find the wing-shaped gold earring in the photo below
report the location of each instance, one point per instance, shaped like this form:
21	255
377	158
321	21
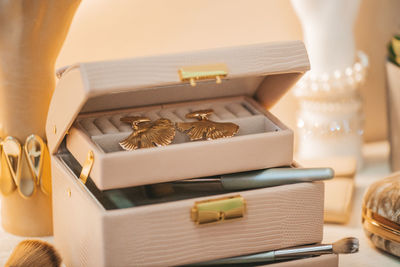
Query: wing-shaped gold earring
205	129
147	133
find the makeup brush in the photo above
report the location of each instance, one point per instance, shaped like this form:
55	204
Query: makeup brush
244	180
34	253
265	178
343	246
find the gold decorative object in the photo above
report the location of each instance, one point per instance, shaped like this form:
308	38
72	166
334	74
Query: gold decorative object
205	129
10	162
38	157
380	214
87	167
15	162
147	133
25	182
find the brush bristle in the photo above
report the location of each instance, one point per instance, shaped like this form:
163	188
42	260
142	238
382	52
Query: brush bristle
34	253
346	245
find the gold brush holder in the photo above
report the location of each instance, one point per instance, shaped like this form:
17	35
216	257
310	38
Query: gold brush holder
25	186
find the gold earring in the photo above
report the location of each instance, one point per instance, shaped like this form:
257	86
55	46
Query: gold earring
147	133
205	129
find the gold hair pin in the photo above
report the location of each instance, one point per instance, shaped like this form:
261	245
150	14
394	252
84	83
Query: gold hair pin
205	129
147	133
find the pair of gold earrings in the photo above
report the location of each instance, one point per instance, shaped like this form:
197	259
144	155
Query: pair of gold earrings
161	132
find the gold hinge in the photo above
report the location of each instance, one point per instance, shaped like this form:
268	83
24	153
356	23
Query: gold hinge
87	167
218	210
203	72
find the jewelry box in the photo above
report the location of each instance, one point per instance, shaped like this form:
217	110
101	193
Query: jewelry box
107	208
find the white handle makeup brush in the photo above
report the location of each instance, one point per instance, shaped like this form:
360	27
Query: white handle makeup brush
342	246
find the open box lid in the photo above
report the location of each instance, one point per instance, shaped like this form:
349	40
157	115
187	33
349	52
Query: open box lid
263	71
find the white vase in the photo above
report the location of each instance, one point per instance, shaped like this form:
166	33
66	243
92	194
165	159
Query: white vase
330	120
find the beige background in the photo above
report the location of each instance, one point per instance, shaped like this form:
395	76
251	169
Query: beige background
106	29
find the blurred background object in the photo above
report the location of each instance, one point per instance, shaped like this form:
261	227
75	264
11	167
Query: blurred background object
339	191
100	26
330	118
393	96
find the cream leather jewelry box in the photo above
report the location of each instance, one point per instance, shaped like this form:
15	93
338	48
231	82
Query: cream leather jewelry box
108	209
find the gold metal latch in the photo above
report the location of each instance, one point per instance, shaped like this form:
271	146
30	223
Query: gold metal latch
87	167
218	210
203	72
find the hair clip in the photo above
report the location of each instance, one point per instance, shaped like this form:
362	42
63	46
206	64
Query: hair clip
205	129
147	133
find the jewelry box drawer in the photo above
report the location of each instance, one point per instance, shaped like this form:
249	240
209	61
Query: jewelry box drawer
262	142
166	234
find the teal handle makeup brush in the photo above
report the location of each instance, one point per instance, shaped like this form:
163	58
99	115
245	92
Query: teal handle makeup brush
262	178
274	177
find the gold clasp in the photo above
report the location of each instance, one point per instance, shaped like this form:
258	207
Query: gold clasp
218	210
87	167
375	223
203	72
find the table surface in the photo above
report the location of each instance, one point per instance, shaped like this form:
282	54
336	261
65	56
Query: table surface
375	167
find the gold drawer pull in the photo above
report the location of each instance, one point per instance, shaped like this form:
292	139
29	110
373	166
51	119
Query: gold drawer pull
218	210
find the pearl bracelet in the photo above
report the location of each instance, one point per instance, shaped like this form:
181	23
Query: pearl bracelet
336	85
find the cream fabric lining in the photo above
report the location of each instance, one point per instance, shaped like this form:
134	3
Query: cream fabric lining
106	129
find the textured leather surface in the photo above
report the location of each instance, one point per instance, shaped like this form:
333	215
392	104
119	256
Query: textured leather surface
163	234
77	220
